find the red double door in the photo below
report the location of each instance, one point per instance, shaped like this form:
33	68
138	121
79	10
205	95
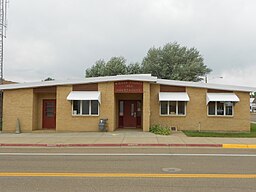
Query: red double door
49	114
130	113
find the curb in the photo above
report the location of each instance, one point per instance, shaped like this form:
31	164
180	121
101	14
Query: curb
239	146
108	145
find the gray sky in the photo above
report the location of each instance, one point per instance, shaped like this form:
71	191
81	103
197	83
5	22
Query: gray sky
61	38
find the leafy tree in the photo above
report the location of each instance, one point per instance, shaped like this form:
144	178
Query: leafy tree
253	94
134	68
175	62
49	79
115	66
97	70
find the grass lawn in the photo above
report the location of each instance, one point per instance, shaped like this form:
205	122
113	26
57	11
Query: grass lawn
223	134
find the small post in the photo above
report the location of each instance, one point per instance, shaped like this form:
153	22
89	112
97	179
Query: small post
17	126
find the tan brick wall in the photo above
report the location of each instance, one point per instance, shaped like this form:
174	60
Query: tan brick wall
27	106
108	104
196	113
64	119
66	122
146	107
18	104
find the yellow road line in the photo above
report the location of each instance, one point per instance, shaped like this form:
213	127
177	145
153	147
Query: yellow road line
251	146
130	175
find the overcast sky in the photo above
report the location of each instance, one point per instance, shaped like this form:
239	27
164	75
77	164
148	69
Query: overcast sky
61	38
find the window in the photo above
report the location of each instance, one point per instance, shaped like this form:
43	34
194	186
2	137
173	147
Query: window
85	107
164	107
172	108
211	108
220	108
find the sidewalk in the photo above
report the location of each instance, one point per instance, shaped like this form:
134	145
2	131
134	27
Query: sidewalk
119	139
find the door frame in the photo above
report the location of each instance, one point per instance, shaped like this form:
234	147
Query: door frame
120	123
43	114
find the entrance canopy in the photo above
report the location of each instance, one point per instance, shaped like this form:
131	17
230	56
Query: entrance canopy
173	96
84	95
228	97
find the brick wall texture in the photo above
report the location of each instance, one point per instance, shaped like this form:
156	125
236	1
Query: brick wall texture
25	105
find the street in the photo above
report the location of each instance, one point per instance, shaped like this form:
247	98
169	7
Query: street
180	169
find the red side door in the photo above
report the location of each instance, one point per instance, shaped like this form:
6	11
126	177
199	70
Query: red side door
49	113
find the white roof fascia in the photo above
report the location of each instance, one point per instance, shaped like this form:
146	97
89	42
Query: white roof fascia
84	95
140	77
173	96
206	85
229	97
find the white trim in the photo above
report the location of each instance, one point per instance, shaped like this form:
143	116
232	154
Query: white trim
173	96
232	97
84	95
136	77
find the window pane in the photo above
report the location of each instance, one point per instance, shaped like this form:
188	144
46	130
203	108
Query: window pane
220	108
229	108
172	107
85	107
181	108
121	108
76	107
211	108
164	109
94	107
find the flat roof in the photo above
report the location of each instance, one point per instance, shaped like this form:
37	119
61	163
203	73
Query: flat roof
133	77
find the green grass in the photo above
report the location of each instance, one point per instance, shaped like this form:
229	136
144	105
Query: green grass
251	134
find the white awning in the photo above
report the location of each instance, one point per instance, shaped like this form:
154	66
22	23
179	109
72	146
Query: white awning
229	97
84	95
173	96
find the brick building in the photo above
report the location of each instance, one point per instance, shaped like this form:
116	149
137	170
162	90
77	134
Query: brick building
127	101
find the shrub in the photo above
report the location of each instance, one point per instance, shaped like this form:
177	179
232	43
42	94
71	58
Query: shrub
160	130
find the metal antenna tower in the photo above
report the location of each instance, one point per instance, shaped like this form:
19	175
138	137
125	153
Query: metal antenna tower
3	25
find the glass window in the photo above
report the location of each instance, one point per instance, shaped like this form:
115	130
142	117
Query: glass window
229	108
85	107
181	108
94	107
164	107
172	107
76	107
220	108
211	108
223	108
121	108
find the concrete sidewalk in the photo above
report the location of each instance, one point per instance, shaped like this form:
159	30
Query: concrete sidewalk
119	139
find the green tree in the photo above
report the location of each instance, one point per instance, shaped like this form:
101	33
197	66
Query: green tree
134	68
97	70
115	66
174	61
49	79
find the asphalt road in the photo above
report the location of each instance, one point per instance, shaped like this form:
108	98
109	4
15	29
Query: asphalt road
117	169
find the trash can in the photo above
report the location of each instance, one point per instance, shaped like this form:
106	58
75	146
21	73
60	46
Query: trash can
103	125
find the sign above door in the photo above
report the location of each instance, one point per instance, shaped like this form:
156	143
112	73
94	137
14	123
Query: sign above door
128	87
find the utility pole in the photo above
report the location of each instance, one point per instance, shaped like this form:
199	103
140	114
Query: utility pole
3	25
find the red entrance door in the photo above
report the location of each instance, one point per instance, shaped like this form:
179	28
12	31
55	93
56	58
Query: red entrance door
130	114
49	114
